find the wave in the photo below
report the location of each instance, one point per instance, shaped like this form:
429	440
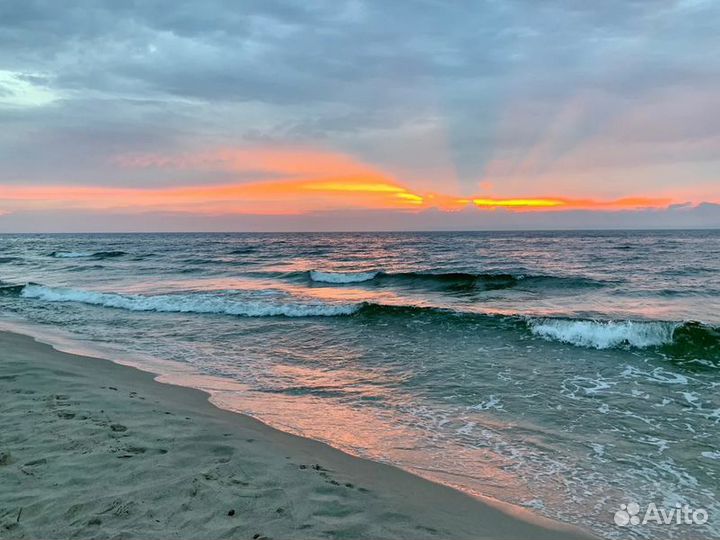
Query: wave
686	340
679	340
90	268
457	281
341	277
8	289
87	255
185	303
108	254
4	260
605	334
243	250
689	340
198	261
70	254
693	340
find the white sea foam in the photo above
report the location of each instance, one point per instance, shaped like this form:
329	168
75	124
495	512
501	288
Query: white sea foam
187	303
491	403
604	334
71	254
342	277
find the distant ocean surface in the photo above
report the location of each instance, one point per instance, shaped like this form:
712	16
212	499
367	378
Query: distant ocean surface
566	372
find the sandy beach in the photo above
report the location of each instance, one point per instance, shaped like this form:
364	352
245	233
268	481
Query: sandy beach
93	449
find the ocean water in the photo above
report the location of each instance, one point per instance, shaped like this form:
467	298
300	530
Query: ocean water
567	372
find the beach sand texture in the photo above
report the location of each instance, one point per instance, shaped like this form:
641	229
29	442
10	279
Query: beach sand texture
93	449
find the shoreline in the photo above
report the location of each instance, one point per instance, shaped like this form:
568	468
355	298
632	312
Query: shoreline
95	448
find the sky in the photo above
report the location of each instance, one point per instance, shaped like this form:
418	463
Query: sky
358	115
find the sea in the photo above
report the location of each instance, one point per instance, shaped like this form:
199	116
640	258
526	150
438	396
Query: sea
564	372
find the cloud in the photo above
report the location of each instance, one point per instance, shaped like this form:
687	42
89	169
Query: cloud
322	189
19	90
584	100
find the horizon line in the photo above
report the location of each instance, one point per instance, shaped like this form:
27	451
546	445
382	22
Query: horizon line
316	231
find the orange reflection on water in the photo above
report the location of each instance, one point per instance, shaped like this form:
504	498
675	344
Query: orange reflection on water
383	433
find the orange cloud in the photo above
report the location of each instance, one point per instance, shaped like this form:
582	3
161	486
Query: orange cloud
281	197
287	197
575	204
309	181
280	161
518	203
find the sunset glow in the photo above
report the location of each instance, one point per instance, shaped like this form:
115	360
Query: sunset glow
316	118
290	197
513	203
306	180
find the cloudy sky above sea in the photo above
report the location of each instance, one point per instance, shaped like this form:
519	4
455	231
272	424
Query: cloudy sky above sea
270	115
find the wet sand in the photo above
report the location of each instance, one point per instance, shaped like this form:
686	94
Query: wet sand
93	449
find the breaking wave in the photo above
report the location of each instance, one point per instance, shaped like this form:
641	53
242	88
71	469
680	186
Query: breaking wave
683	340
186	303
341	277
689	340
451	280
605	334
87	255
